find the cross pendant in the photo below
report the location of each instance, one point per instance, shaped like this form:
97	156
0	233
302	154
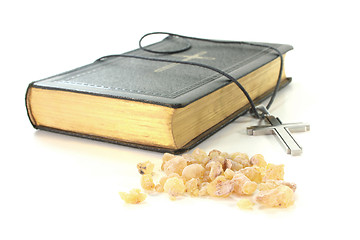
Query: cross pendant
281	131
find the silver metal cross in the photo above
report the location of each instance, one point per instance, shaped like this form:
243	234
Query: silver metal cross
281	131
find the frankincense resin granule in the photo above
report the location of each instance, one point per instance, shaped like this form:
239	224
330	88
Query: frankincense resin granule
218	174
133	197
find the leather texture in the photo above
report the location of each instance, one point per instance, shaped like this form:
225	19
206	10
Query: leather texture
162	83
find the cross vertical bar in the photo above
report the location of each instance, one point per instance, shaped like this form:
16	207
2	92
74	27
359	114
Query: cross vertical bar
287	141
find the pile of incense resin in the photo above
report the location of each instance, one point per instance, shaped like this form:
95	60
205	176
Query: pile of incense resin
217	174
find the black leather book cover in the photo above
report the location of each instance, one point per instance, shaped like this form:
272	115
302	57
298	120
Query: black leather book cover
162	83
168	84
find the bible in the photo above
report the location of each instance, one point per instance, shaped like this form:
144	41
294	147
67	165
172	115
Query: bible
156	105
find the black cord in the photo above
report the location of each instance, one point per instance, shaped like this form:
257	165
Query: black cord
188	46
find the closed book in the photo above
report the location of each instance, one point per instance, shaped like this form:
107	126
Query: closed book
161	106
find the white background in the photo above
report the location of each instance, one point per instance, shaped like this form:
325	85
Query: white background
60	187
